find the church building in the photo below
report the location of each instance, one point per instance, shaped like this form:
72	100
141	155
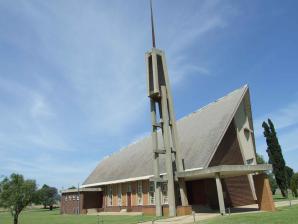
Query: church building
218	147
204	160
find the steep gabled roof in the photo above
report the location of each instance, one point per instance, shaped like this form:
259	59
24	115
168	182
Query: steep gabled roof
199	134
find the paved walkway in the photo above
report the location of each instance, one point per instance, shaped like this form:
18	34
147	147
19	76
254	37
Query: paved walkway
115	213
203	216
185	219
286	203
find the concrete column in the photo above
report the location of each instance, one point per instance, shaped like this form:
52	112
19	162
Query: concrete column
221	202
174	133
169	160
183	192
155	161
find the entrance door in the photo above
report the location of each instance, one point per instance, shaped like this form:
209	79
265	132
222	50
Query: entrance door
196	192
128	201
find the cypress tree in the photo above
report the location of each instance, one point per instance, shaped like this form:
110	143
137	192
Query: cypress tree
289	173
275	157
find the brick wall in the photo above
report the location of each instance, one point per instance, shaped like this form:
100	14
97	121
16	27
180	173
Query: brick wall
93	200
238	191
87	200
264	194
69	203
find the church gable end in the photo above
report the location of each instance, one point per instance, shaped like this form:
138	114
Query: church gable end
238	190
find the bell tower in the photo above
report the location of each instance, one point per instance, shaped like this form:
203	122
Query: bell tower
159	92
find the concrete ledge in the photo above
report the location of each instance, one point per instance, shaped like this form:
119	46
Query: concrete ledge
224	171
81	190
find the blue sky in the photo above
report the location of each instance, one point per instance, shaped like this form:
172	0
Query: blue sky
72	75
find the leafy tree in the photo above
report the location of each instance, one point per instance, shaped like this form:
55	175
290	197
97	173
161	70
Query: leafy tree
272	182
47	196
294	185
276	157
16	193
260	159
289	173
72	187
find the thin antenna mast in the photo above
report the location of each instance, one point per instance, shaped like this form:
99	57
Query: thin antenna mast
152	26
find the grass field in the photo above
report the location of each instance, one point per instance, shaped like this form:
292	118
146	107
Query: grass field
41	216
284	215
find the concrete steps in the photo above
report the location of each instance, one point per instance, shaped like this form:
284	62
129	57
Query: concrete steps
91	211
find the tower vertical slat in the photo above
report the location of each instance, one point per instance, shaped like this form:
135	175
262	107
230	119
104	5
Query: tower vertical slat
155	159
167	145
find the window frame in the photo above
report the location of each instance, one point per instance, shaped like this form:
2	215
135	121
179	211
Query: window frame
164	192
151	193
110	195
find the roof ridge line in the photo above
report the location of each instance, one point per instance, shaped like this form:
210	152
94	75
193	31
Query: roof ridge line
213	102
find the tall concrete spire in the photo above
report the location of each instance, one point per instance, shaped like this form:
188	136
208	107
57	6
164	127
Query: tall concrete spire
159	92
152	26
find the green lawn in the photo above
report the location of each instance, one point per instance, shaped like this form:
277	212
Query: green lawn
41	216
284	215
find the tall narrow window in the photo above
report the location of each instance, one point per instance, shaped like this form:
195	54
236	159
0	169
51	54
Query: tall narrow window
129	187
110	195
119	195
139	193
151	193
164	190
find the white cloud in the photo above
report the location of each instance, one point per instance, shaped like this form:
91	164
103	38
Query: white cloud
282	118
210	18
285	121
